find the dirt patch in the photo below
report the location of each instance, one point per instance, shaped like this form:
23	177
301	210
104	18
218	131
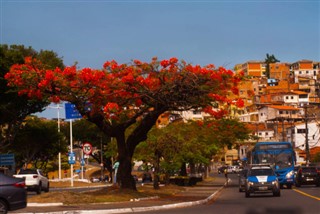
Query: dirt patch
103	195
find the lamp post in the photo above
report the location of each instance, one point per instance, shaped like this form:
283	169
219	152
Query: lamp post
59	155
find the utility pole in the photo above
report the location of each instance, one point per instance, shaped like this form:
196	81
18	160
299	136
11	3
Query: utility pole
307	140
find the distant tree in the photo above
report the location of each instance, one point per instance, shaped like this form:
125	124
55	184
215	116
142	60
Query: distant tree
37	142
268	60
171	147
14	108
121	95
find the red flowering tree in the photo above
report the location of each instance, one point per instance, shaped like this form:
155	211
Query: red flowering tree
120	95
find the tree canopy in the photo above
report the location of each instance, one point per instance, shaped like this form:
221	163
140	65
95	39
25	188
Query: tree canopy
14	108
120	95
270	59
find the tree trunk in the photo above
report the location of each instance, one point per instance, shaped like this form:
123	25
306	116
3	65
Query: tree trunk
124	177
183	169
156	178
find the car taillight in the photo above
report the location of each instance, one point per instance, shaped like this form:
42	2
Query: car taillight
35	176
20	184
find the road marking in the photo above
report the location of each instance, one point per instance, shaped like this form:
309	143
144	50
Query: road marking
303	193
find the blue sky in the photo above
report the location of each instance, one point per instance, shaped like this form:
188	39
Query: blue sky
223	33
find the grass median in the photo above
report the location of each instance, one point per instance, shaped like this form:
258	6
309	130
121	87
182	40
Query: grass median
102	195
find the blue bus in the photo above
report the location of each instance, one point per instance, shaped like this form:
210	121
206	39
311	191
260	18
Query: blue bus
280	155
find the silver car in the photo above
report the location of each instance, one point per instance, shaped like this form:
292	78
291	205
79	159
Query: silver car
13	194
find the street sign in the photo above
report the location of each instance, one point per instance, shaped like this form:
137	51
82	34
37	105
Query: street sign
71	111
7	160
87	148
72	158
82	162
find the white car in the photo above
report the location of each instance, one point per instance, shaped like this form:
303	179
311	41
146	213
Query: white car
35	180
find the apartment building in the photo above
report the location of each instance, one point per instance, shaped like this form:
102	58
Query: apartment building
279	71
304	69
297	135
278	113
252	68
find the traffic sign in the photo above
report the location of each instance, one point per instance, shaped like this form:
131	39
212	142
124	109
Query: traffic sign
7	160
72	158
71	111
82	162
87	148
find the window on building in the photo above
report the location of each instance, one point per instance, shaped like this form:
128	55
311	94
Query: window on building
291	97
307	72
287	97
301	131
280	112
197	112
267	133
300	72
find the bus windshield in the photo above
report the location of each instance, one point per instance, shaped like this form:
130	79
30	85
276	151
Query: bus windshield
280	160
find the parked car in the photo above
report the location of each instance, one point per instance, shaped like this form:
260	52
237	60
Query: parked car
262	179
235	169
35	180
307	175
13	194
146	177
242	179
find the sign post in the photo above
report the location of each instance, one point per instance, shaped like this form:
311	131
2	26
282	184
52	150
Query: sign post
71	113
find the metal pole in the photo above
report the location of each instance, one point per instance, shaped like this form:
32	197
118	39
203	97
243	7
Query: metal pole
307	140
71	150
59	156
82	164
101	156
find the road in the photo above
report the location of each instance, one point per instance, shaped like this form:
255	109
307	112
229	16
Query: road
304	200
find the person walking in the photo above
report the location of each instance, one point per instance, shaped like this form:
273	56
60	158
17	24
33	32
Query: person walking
226	175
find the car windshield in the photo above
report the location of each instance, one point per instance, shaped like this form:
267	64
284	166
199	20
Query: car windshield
309	169
260	172
27	171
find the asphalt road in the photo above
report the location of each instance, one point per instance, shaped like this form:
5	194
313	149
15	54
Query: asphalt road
304	200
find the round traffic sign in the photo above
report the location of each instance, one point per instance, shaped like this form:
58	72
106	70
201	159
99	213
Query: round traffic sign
87	148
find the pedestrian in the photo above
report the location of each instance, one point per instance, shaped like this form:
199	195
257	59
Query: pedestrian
226	175
115	168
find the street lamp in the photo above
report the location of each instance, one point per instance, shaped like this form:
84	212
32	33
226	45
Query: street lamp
59	155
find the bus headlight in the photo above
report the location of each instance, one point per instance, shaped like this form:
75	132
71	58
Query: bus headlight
289	174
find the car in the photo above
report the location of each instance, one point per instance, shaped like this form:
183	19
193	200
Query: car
295	170
35	180
221	169
261	179
307	175
146	177
13	195
242	179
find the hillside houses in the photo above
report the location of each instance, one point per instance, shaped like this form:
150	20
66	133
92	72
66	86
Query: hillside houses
275	108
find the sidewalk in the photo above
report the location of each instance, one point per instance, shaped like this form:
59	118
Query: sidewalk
203	192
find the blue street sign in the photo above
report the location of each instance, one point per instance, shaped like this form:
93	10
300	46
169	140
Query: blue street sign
71	111
7	160
82	162
72	158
